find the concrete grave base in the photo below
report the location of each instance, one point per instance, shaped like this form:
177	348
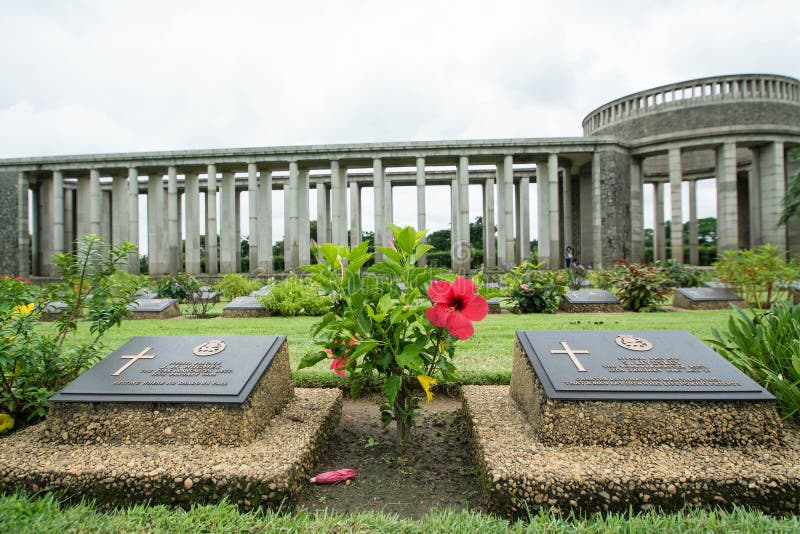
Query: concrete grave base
269	471
167	313
521	474
681	301
573	307
243	313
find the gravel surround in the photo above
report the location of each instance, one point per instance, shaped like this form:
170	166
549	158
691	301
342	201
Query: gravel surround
174	423
520	473
270	471
613	423
573	307
243	313
681	301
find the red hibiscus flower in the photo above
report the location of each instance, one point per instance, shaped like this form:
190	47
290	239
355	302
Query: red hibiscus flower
455	306
338	364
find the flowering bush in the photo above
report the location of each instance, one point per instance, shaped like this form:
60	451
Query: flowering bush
639	287
36	362
380	326
536	290
180	287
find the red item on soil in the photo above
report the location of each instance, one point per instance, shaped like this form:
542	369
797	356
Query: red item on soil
332	477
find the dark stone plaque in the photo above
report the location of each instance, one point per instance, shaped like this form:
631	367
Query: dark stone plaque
176	369
244	303
150	305
700	294
261	291
590	296
633	365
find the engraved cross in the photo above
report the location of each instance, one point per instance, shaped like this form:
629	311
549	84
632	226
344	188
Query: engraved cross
133	358
571	353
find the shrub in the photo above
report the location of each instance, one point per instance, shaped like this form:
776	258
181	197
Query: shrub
36	362
639	287
536	290
236	285
602	279
760	275
180	286
296	296
576	276
681	275
765	345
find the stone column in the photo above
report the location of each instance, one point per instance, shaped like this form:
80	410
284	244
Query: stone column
566	207
545	253
133	218
40	236
95	200
69	220
303	238
83	201
191	214
754	197
586	253
338	204
105	216
727	220
57	213
388	208
156	263
489	254
288	193
380	220
119	209
505	211
212	266
637	211
227	223
455	230
463	252
355	214
694	251
659	233
237	229
421	203
773	189
23	235
524	240
265	259
173	224
793	225
322	213
676	202
252	223
612	200
553	211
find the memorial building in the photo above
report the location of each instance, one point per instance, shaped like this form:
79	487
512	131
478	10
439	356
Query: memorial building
736	130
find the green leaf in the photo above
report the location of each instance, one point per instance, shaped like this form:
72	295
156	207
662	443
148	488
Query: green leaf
312	358
390	388
391	254
410	359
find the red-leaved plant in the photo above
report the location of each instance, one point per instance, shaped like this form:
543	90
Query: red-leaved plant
382	328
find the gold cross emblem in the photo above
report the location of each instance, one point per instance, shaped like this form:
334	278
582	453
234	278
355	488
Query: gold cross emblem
133	358
571	353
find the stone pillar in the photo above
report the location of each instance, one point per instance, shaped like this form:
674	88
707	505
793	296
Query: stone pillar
566	208
553	210
355	214
69	220
173	224
455	231
265	259
421	223
40	237
545	253
586	253
612	201
133	218
105	215
463	252
191	214
119	209
793	225
380	220
637	211
287	225
676	203
303	238
227	224
322	213
694	251
754	198
212	265
252	223
773	189
659	234
505	211
338	204
95	201
237	229
524	240
83	201
388	208
489	253
57	213
727	221
156	262
23	234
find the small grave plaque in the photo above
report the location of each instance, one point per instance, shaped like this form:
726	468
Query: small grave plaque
640	365
244	303
192	369
150	305
704	298
261	291
590	296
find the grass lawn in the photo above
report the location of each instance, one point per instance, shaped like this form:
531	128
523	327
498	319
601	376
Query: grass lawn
486	358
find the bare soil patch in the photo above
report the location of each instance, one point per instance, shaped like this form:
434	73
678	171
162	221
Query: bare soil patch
435	471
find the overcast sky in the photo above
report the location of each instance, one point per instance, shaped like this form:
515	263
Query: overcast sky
106	76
